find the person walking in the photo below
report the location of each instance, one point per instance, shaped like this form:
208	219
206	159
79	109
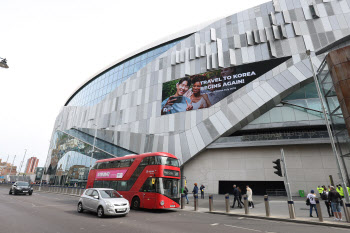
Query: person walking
250	197
202	191
195	189
335	199
186	192
240	196
324	197
235	197
312	197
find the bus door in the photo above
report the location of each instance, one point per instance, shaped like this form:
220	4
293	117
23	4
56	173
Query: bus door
148	193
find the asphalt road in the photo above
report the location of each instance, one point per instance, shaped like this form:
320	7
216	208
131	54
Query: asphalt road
54	213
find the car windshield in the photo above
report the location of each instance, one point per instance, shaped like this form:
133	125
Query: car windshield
109	194
22	184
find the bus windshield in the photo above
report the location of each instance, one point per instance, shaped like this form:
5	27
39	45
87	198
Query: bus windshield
170	188
166	186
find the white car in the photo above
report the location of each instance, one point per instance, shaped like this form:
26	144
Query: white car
104	201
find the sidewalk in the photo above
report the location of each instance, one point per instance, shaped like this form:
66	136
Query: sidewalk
278	210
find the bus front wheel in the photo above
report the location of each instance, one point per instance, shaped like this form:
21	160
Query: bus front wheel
135	203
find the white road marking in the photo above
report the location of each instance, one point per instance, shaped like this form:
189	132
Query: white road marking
52	205
341	229
243	228
214	224
241	218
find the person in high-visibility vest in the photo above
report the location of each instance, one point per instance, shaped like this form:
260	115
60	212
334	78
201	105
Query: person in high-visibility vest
320	190
340	190
348	190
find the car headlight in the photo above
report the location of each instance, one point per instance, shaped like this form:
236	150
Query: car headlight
161	203
109	204
17	188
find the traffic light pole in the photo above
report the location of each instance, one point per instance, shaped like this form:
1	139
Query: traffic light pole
286	181
287	185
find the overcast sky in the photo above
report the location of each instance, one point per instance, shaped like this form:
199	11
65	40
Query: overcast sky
54	46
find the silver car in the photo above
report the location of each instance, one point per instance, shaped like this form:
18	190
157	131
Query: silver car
104	201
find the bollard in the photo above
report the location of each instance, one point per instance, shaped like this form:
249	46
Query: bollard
210	203
182	200
291	209
227	202
196	202
346	210
319	211
246	206
267	205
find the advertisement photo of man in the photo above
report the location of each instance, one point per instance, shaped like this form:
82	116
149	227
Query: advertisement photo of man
178	102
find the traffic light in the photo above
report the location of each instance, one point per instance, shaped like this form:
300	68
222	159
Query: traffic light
278	167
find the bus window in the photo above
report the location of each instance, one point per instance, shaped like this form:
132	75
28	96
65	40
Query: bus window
150	185
110	164
162	160
144	162
122	186
125	163
101	165
115	164
95	166
114	185
106	184
151	161
98	184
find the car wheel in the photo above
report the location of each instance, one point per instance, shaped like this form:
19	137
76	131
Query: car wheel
135	203
80	207
100	212
10	192
14	192
30	193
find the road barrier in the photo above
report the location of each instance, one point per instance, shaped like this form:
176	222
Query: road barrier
195	202
267	205
227	202
210	203
246	206
291	209
318	208
346	210
182	200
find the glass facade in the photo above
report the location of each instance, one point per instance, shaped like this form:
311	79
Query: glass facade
335	115
99	87
71	157
302	105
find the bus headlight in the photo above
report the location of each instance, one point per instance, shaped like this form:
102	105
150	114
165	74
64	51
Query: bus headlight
161	203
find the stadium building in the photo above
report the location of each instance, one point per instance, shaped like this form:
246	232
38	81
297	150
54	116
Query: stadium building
224	97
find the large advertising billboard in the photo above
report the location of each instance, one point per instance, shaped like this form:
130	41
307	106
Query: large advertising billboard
206	89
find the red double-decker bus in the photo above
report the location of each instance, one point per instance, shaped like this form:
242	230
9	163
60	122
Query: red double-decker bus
148	180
